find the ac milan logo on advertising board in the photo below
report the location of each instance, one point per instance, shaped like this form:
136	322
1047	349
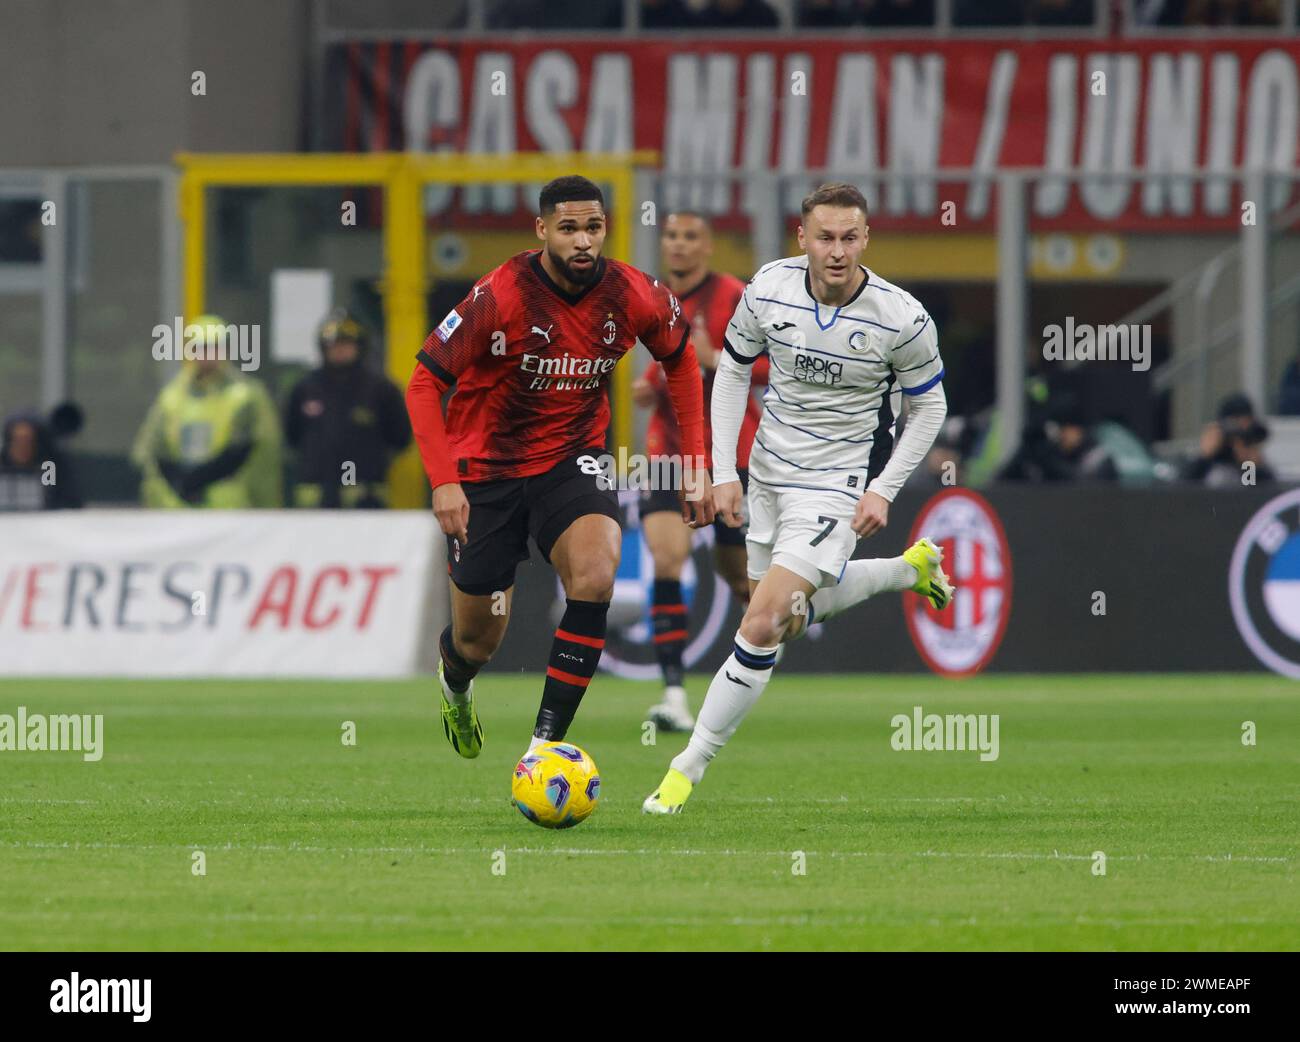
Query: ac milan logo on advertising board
963	638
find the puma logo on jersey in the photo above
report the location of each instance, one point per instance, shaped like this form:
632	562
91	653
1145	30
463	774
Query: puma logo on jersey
544	332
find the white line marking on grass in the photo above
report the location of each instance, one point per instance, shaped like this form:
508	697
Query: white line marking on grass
303	848
820	921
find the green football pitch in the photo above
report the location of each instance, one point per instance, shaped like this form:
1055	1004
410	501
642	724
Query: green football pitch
810	832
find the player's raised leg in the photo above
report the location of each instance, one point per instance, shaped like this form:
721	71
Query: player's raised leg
669	542
919	569
478	624
797	542
585	557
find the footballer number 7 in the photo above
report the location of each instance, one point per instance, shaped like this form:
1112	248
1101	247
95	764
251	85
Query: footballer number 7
830	523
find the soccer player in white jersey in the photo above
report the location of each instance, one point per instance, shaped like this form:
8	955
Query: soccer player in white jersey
845	347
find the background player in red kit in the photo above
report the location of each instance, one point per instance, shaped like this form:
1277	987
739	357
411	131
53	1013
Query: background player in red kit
708	300
528	351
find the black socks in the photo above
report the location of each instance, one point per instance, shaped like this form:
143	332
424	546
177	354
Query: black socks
579	640
457	671
668	613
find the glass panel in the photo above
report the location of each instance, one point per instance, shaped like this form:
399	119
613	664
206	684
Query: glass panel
21	236
1283	368
255	233
20	352
114	268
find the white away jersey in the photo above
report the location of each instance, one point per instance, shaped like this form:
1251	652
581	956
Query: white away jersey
838	375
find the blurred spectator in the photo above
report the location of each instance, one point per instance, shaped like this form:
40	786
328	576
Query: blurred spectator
989	12
1178	13
666	14
886	13
1024	12
549	14
344	414
1061	12
876	13
737	14
211	438
34	474
824	14
1236	438
1061	449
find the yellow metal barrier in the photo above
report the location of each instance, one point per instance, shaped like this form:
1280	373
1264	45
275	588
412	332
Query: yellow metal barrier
402	176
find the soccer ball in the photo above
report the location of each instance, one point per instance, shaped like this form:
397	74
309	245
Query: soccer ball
556	786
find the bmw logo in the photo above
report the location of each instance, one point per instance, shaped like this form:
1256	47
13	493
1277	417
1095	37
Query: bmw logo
1264	584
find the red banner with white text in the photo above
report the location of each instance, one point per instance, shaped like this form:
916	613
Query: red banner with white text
850	107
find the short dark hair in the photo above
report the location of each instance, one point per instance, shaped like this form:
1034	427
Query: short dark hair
571	188
687	212
836	193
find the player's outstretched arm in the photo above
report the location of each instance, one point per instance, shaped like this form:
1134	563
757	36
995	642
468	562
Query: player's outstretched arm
916	363
925	416
730	397
424	404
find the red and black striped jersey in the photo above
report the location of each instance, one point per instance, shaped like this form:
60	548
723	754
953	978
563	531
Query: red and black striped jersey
530	362
708	307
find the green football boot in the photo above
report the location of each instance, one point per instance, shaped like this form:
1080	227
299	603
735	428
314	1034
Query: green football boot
460	721
931	582
671	795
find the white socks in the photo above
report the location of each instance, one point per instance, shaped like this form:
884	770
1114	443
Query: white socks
742	678
676	698
862	579
735	688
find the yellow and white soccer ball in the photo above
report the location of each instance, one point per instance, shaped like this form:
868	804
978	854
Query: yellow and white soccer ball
556	785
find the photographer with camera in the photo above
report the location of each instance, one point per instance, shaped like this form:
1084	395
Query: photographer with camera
1235	439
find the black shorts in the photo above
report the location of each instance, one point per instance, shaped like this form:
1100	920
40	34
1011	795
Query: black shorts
665	500
505	512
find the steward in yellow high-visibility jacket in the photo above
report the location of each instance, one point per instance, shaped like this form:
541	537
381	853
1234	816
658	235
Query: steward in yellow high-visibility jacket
211	439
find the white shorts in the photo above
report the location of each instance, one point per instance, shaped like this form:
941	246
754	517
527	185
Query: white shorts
807	531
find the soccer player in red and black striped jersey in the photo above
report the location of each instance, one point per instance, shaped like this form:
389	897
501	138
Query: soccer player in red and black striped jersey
528	352
708	300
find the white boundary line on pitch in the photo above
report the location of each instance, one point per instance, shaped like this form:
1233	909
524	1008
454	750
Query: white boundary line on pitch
821	921
295	848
